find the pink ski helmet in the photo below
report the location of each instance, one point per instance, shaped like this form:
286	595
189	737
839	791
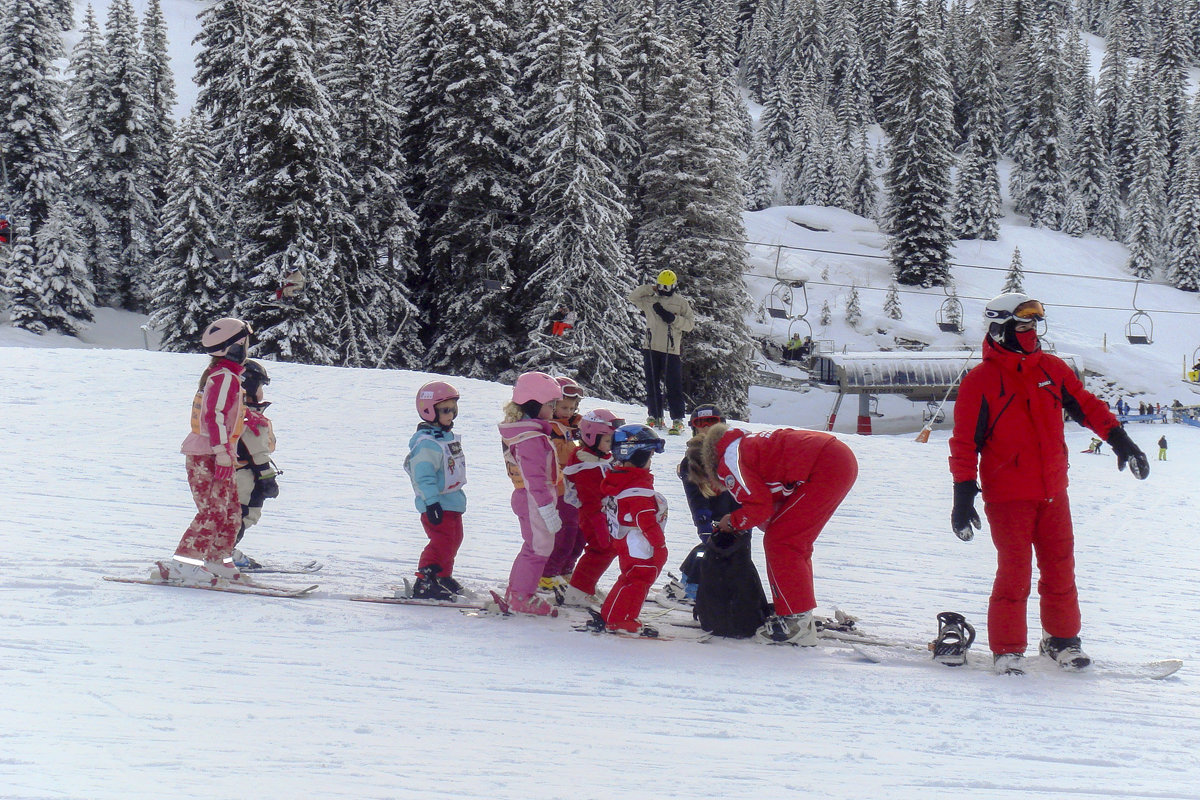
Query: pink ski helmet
569	387
224	335
430	395
537	386
596	423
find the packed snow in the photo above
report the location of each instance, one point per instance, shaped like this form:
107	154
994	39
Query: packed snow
118	691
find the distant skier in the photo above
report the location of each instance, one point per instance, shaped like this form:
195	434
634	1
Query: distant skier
1162	448
255	475
437	469
636	517
789	483
1008	432
533	469
669	315
205	553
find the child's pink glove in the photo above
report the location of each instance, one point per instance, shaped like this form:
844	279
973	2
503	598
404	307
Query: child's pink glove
224	469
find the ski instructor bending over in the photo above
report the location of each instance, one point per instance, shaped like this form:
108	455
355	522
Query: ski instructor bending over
1008	429
668	317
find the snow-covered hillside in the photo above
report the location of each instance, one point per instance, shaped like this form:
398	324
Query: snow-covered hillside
114	691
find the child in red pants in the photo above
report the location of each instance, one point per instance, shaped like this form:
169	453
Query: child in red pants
584	472
438	471
789	483
636	513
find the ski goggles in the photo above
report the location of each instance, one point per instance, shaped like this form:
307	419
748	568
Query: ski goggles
1029	311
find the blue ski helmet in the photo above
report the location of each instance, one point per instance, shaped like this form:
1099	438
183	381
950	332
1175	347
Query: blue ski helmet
634	438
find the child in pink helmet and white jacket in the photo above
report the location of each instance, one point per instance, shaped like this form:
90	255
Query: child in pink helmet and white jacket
533	468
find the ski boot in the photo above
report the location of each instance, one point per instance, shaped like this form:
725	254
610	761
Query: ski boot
676	427
793	629
529	604
243	561
679	590
429	586
1009	663
954	639
1065	651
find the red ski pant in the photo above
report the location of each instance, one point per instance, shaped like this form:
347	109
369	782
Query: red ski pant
798	519
214	529
592	564
444	541
624	602
1043	527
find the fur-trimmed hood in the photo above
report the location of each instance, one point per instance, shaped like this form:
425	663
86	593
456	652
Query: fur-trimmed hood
710	438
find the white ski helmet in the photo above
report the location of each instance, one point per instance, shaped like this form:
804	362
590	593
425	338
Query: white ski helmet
224	338
1011	307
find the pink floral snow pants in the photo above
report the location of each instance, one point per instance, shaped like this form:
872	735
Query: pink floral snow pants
211	535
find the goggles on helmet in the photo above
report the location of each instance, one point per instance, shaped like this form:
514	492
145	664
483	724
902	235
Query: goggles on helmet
1029	311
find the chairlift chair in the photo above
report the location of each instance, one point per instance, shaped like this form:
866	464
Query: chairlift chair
950	315
1140	328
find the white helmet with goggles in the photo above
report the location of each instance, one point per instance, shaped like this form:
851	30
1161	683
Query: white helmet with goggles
1004	312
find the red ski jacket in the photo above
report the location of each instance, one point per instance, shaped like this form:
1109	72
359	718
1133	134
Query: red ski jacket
1008	423
637	502
761	469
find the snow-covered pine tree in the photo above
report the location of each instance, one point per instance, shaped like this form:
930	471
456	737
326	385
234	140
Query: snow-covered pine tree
1089	165
1183	257
862	179
1106	220
293	200
876	20
66	298
1014	279
1145	229
472	177
1074	219
918	173
826	314
853	308
191	286
775	124
1043	115
1172	56
22	285
31	118
615	103
578	248
760	190
891	303
977	191
375	255
692	223
87	139
129	202
849	76
160	97
225	59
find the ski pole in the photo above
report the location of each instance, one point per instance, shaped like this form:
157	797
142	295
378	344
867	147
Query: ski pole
923	436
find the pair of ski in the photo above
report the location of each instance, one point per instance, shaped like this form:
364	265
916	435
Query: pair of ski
494	605
247	587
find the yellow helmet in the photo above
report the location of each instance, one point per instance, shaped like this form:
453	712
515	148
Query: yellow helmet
667	278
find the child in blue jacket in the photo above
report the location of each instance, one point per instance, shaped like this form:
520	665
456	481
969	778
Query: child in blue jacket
438	471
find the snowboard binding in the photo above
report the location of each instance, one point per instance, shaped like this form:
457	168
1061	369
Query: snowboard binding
955	637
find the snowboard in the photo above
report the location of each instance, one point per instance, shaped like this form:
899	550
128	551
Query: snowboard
259	589
1033	665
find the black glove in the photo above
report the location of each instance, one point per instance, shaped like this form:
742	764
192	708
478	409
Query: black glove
1127	451
434	512
963	515
667	316
268	487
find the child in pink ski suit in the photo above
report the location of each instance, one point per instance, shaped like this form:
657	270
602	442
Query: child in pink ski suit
533	468
205	553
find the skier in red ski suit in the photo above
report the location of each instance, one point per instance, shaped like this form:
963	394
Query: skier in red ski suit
1008	431
789	483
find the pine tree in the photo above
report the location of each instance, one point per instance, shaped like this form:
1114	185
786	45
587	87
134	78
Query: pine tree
1044	195
67	296
760	191
87	140
191	286
472	177
31	117
578	246
1183	260
853	309
1014	279
758	67
160	96
862	180
1145	200
375	254
22	284
224	62
891	303
1075	219
826	314
977	192
1089	167
775	124
918	173
293	198
129	202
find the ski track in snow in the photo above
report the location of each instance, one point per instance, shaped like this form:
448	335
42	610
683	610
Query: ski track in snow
115	691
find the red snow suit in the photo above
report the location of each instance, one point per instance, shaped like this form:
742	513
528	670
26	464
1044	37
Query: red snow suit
639	541
789	483
1008	429
585	472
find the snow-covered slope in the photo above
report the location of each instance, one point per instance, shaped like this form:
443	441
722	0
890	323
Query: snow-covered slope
115	691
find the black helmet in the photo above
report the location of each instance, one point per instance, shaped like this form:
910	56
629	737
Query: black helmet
635	438
705	415
254	376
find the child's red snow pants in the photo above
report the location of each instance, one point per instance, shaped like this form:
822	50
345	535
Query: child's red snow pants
214	529
628	595
1043	527
444	541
